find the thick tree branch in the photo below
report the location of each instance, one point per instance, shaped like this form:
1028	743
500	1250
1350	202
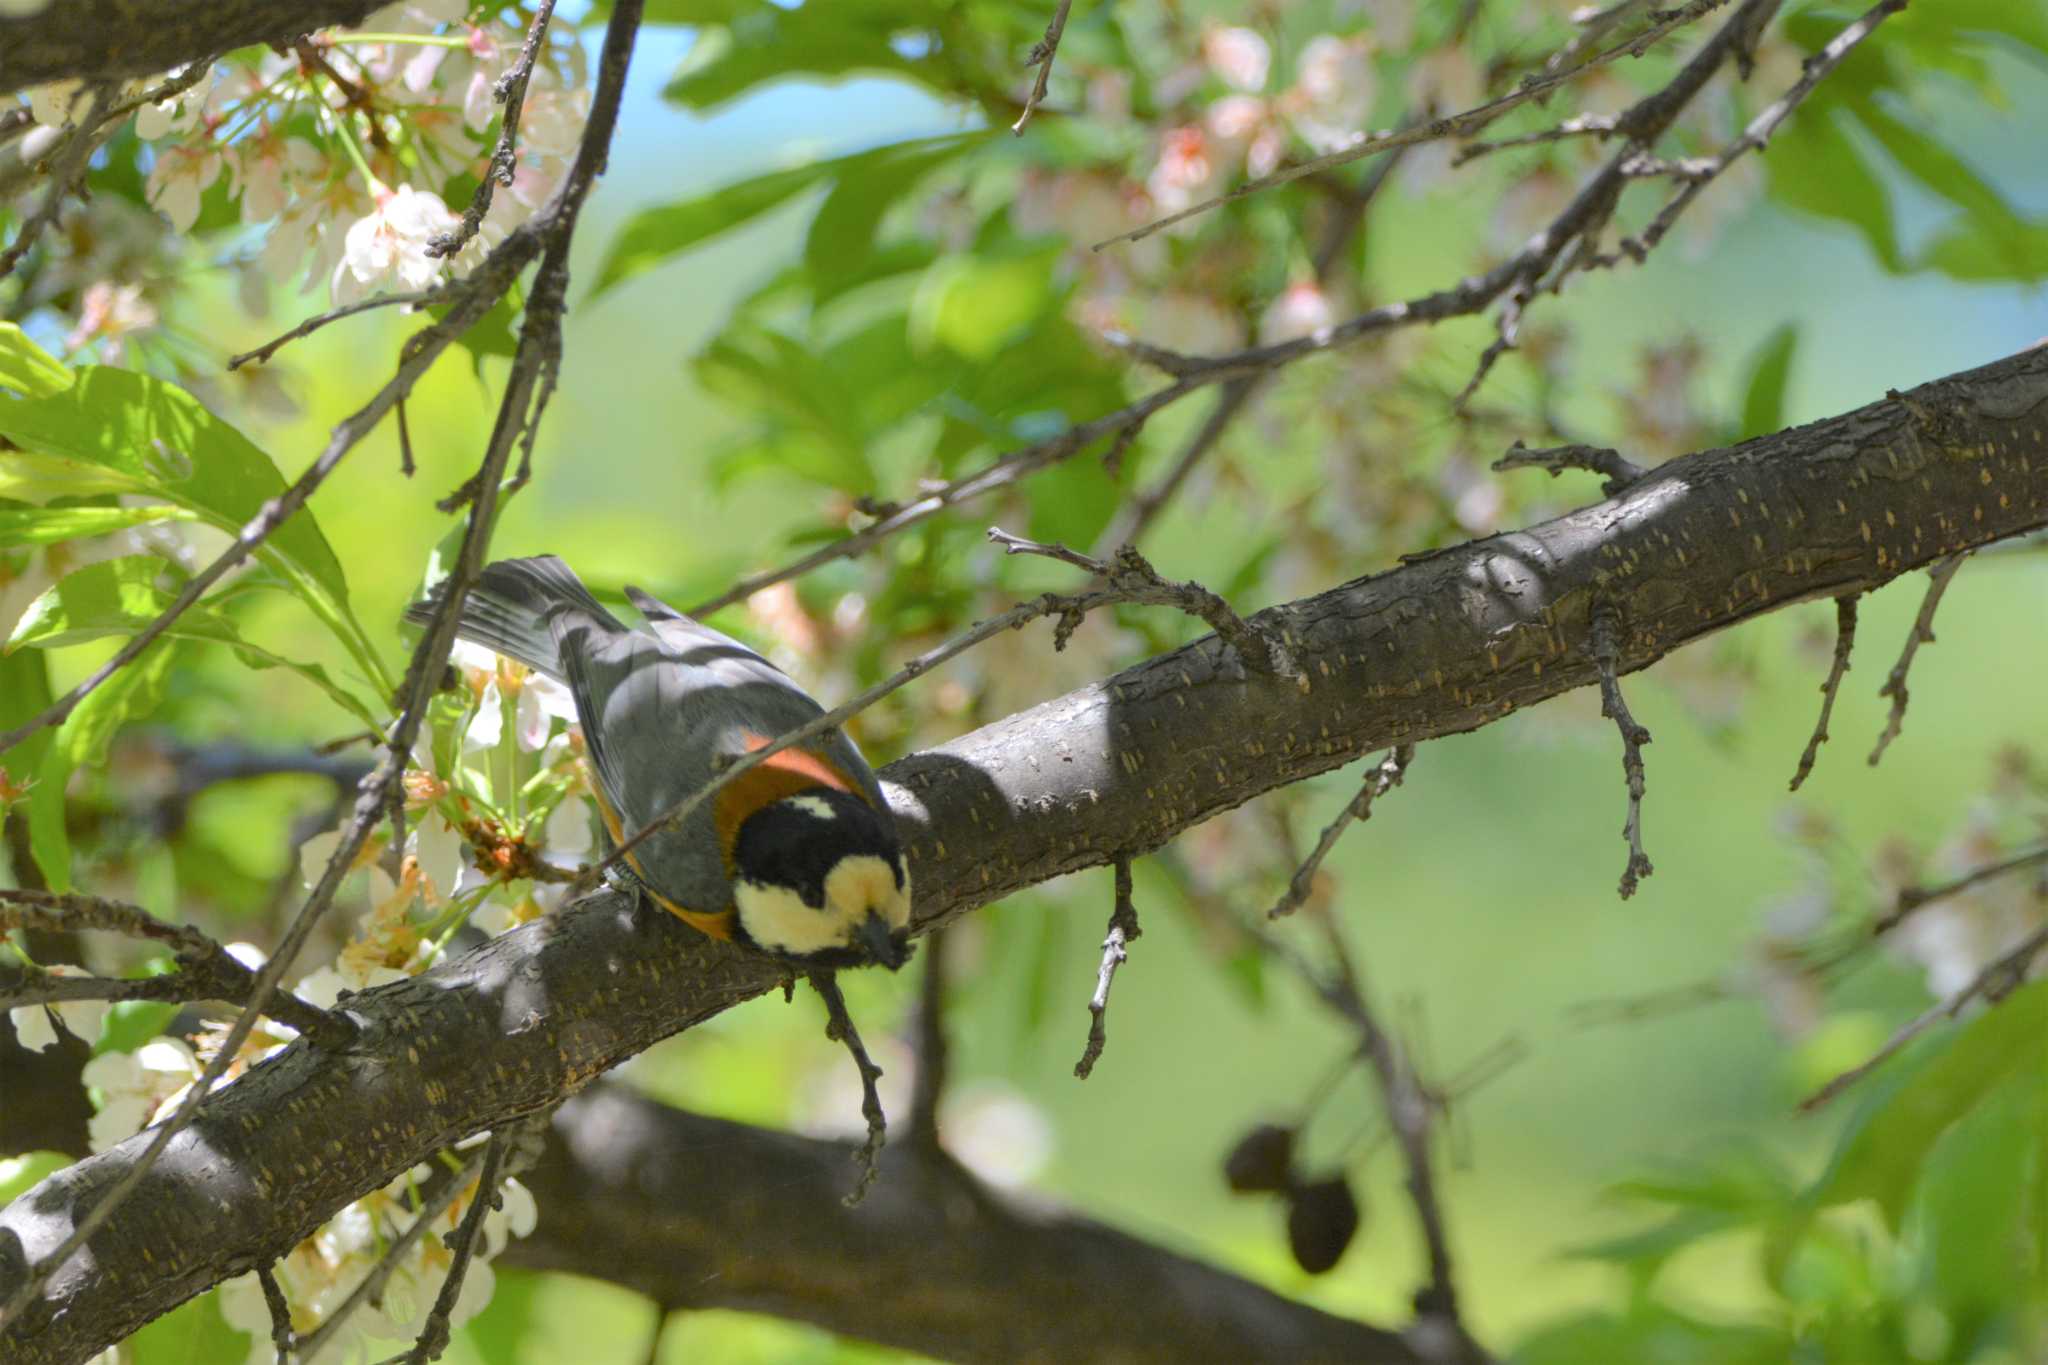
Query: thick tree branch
934	1261
120	38
1112	769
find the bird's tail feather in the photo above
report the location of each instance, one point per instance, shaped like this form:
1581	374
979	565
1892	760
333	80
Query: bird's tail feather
515	607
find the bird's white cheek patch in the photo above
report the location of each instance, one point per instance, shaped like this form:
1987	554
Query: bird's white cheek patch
862	884
777	918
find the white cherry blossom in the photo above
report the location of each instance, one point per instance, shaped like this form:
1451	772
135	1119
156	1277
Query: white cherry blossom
182	173
134	1087
388	247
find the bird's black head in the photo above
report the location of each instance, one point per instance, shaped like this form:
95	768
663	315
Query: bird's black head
819	880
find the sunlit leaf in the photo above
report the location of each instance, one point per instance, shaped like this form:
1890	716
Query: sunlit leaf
1883	1153
27	368
52	525
118	597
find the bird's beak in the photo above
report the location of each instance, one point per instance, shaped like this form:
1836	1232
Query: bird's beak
881	945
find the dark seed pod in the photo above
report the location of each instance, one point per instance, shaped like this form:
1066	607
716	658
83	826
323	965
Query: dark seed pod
1321	1220
1262	1160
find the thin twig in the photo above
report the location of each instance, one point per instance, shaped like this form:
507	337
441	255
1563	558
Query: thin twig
433	1337
1041	57
839	1028
1583	125
1123	928
418	298
1619	472
67	165
282	1336
370	1289
1381	778
509	91
1938	578
1994	983
1136	515
1459	125
1606	655
548	232
1845	640
1760	128
1131	575
206	970
1579	222
1913	898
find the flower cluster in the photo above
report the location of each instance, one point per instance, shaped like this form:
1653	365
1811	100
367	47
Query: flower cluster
349	146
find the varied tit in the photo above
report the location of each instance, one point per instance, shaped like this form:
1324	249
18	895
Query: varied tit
796	857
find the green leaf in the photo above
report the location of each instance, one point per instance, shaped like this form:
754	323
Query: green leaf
653	236
1763	408
783	379
1882	1155
82	742
842	237
2006	245
24	694
1815	167
115	431
143	435
118	597
975	306
27	368
764	41
50	525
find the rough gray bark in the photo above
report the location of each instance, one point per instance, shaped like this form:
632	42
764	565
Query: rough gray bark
113	38
700	1213
1438	646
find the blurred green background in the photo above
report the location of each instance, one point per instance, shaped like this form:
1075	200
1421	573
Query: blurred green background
1479	898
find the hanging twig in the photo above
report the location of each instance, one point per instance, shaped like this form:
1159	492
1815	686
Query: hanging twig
1606	657
1845	640
1381	778
433	1337
839	1028
1123	928
1939	577
1041	57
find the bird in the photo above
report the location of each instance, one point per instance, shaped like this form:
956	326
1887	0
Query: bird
796	857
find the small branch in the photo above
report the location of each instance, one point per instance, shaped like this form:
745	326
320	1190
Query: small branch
418	298
282	1337
1585	125
206	970
370	1289
1606	657
928	1086
433	1337
1993	984
1619	472
510	91
1845	640
1123	928
1508	327
1041	57
1939	577
1379	780
1134	579
67	166
839	1028
1760	128
1460	125
1913	897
